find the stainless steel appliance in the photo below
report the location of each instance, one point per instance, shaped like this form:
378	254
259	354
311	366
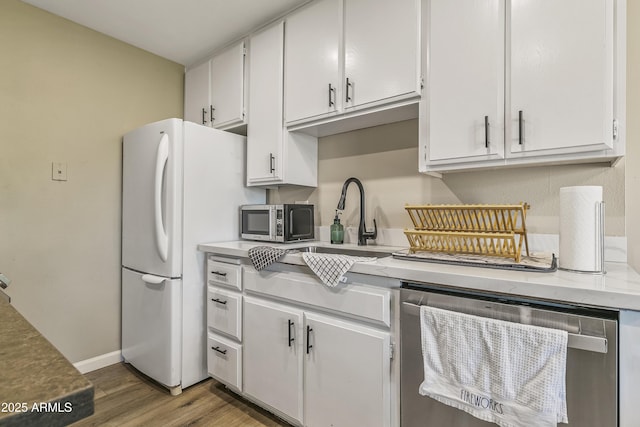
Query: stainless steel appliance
277	223
592	357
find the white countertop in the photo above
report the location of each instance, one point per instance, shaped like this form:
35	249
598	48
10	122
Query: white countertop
619	288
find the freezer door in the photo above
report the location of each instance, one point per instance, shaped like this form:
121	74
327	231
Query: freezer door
152	198
151	325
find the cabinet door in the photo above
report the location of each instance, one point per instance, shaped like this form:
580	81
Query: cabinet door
227	87
465	80
196	94
312	51
382	52
347	374
265	128
272	355
561	61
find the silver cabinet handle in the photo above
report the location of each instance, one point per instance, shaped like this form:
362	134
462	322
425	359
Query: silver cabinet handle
218	350
204	116
219	301
520	127
349	84
332	94
291	337
486	131
219	273
309	346
211	115
272	159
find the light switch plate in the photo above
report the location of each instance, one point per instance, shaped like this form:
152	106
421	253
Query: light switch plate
59	171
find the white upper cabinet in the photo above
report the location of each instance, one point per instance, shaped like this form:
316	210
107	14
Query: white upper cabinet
214	91
274	155
196	94
264	131
227	87
561	61
312	61
381	50
347	55
466	80
513	82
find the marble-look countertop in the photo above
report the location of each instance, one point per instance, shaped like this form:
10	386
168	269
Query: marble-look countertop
619	288
38	385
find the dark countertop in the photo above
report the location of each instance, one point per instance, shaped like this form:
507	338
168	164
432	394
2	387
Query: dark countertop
38	385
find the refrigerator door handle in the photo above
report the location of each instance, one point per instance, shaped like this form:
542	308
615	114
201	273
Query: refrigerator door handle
162	240
153	280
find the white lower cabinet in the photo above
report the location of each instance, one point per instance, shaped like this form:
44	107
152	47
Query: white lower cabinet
224	361
273	358
313	355
224	312
224	322
346	373
316	369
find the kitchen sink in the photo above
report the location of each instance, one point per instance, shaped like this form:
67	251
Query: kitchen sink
346	251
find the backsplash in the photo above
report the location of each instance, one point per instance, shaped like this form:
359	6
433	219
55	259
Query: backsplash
615	247
385	159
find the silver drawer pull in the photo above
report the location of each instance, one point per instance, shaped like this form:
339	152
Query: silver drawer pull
219	273
218	350
219	301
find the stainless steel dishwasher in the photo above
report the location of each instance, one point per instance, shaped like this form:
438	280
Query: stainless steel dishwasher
592	357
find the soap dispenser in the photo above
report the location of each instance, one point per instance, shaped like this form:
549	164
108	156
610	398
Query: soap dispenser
337	230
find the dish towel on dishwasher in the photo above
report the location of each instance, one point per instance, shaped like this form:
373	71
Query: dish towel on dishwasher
263	256
507	373
331	267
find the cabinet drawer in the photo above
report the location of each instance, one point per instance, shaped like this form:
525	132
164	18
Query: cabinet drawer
220	273
354	300
224	361
224	312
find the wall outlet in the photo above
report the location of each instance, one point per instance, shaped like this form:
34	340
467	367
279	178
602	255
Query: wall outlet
59	171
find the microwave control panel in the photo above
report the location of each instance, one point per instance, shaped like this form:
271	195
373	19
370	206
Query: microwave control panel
279	217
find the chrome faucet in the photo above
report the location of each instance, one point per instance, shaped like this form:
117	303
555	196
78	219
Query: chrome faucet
363	234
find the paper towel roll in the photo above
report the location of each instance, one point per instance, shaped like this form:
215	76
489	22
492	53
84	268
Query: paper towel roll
581	229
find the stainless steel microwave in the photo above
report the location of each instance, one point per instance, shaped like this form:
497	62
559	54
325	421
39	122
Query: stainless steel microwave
277	223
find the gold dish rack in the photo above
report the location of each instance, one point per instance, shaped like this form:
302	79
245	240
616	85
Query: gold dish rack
490	230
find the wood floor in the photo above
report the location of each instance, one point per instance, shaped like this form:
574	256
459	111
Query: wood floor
124	397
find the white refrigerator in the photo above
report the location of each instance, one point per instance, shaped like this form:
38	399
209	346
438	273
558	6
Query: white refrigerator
182	184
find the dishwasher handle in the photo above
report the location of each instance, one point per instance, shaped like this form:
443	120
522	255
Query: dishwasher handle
577	341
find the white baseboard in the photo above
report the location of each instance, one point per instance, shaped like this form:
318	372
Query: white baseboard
98	362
